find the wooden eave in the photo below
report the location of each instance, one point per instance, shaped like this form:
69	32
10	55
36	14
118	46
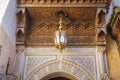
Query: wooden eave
63	3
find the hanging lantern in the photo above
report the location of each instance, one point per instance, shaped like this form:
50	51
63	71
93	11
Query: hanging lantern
60	37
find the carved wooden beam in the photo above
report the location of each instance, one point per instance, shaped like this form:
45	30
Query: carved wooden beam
63	3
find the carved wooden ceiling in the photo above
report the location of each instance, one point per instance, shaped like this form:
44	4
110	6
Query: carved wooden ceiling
37	25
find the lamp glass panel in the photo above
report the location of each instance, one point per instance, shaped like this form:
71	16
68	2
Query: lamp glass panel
60	37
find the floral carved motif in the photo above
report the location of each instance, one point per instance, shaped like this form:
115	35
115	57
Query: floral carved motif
82	67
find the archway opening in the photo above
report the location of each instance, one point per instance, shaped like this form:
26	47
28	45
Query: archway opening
59	76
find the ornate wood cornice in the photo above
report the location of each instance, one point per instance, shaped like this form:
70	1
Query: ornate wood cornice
38	21
41	23
63	3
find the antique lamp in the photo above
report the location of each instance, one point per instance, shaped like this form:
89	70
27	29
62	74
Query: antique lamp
60	37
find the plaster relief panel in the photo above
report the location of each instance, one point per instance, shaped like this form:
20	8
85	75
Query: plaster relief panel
83	67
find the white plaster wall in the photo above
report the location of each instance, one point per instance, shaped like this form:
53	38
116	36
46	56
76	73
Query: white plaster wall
7	33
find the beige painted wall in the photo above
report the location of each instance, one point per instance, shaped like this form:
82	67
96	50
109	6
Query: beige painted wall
113	59
113	55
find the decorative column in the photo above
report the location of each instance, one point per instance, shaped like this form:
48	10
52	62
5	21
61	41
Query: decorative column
101	58
20	41
102	63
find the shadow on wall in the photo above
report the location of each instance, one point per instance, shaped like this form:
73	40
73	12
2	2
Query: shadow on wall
8	27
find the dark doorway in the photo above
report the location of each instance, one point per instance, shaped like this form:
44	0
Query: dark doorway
59	78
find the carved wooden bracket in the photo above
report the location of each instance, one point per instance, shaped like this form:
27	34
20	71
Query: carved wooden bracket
22	18
101	26
101	18
102	37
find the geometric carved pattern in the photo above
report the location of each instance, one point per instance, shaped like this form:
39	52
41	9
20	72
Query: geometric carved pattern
101	27
21	17
57	66
79	20
80	27
101	37
39	3
83	67
58	1
32	61
87	62
101	17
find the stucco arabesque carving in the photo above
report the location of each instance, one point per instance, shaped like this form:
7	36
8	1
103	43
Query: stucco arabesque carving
101	49
105	76
33	62
20	48
56	66
86	62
